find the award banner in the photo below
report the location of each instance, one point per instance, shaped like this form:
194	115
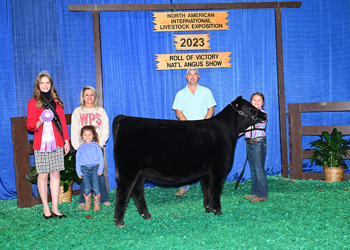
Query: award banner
189	21
199	60
192	42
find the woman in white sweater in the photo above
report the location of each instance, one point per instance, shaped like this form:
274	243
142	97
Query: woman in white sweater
89	113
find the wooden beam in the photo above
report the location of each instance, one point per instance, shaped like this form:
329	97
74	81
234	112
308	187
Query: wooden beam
281	96
21	151
186	6
295	142
99	78
324	106
98	57
317	130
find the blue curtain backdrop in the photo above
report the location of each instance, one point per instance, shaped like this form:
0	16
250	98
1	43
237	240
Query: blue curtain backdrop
44	34
7	102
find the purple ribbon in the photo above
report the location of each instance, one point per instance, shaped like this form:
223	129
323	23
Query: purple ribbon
48	142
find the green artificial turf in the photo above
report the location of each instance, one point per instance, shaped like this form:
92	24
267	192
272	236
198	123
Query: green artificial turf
298	215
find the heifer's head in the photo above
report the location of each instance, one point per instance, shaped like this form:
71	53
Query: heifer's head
248	114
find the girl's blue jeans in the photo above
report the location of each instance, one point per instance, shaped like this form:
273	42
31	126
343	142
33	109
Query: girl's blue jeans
102	185
256	158
185	187
90	177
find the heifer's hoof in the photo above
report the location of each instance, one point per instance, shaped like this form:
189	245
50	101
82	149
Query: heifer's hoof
208	209
147	216
217	212
120	224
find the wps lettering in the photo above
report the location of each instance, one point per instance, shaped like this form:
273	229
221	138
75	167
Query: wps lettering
90	119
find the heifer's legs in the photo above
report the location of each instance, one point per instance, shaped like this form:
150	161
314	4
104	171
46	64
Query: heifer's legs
124	187
205	183
216	190
121	200
138	194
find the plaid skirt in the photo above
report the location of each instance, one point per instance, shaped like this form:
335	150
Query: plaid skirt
48	162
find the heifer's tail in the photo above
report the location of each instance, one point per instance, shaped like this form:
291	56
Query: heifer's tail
116	124
116	121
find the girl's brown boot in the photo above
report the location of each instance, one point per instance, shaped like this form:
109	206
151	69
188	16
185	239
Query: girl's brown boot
97	204
87	202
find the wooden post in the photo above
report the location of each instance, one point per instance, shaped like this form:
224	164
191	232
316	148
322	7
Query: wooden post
98	56
99	79
21	151
281	96
295	141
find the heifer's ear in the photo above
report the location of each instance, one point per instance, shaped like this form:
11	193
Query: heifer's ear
239	99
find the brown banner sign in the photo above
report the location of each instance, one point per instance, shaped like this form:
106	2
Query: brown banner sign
199	60
187	21
192	42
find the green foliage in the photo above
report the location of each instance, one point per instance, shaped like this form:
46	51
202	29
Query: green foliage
67	175
32	177
330	149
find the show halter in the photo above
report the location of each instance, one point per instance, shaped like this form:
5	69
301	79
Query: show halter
48	142
254	118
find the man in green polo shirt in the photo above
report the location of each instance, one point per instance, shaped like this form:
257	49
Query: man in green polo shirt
194	102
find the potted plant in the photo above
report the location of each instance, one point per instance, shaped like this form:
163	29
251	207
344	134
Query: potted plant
329	152
67	176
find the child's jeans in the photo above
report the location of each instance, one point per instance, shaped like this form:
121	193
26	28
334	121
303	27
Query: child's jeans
90	177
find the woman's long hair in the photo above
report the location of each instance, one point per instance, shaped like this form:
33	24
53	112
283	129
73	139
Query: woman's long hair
37	93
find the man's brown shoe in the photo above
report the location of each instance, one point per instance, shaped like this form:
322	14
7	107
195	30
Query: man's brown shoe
256	199
107	203
249	197
180	193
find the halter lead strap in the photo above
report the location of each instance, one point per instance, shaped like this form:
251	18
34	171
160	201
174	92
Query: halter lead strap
254	117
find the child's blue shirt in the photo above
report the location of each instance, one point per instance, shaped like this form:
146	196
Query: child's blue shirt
88	155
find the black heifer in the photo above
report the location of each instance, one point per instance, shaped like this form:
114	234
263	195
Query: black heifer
169	151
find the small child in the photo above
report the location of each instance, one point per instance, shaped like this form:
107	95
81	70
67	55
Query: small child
256	141
89	165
